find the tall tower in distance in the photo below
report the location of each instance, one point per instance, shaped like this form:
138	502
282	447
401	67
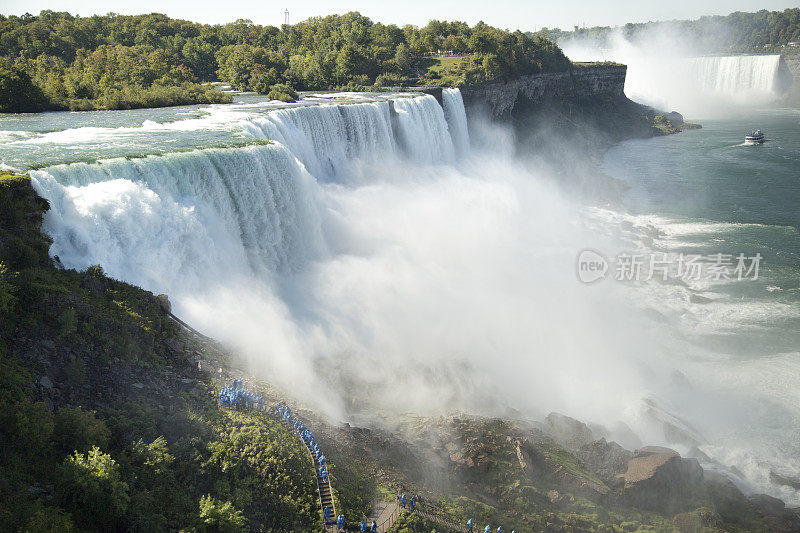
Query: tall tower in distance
286	17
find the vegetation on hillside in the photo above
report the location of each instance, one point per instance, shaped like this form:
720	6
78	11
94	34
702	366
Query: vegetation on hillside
60	61
106	425
759	32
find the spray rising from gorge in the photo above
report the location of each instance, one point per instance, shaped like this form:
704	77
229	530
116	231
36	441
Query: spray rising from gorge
670	72
382	257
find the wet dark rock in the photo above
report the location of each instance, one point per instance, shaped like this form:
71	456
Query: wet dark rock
786	481
607	459
660	479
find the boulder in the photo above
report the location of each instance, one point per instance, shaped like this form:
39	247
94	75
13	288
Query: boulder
661	480
767	503
570	433
775	514
607	459
787	481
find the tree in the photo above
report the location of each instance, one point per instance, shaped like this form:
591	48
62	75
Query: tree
92	484
403	58
200	56
17	91
220	516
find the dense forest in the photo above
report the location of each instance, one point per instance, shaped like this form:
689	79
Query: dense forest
763	31
60	61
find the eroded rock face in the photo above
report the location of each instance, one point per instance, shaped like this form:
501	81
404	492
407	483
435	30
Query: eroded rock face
589	82
775	514
570	433
607	459
660	479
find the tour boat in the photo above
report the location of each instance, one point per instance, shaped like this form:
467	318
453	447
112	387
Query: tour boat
754	137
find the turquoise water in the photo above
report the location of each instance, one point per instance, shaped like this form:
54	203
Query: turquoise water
718	195
43	139
705	192
351	233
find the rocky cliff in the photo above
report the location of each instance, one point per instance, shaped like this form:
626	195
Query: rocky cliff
789	75
563	122
582	83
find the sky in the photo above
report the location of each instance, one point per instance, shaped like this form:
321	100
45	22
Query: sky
509	14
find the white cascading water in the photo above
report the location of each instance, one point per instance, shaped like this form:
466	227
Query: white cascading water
173	222
702	85
328	138
423	130
457	119
736	76
664	72
431	288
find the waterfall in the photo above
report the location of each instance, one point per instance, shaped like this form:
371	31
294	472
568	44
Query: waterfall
179	221
328	138
423	130
736	76
456	119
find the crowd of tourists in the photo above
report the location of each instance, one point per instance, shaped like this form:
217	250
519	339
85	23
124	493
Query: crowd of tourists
236	396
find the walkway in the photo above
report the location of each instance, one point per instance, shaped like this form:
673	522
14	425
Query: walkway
236	396
385	515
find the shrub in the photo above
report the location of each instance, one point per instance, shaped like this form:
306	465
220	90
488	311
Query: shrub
220	516
92	487
49	520
282	92
78	430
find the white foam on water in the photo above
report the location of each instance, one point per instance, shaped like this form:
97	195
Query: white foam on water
442	278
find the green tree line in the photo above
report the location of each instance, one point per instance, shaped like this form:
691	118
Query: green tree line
56	60
759	32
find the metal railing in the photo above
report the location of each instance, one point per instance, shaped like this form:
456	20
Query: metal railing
387	524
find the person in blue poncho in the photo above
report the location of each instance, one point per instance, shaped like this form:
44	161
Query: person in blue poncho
403	500
374	527
469	525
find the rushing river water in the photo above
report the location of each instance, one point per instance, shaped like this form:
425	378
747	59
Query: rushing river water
373	250
706	192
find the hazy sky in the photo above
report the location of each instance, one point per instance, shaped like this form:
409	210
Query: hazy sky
511	14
